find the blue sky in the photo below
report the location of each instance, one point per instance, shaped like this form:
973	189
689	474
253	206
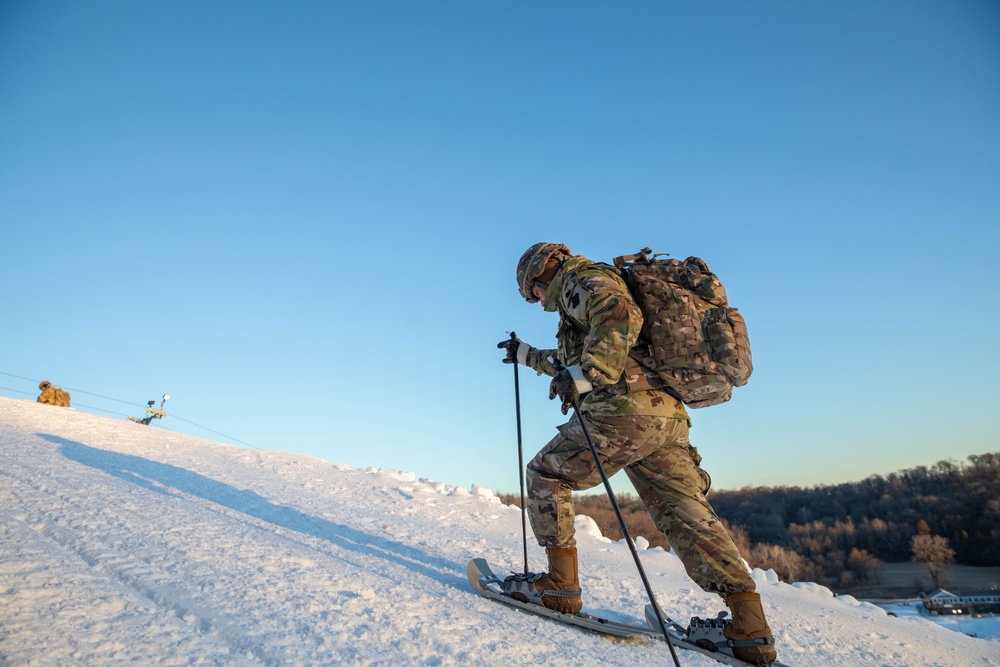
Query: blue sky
301	220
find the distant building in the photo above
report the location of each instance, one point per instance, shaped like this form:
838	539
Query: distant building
943	603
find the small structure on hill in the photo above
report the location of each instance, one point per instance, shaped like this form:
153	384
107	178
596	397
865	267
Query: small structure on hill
52	395
152	413
944	603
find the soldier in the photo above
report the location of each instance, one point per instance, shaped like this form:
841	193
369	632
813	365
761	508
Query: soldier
53	395
637	425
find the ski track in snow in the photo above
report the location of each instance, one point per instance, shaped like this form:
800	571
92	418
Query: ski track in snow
127	544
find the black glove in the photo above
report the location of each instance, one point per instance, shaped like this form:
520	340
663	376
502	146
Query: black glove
569	384
565	387
510	345
515	345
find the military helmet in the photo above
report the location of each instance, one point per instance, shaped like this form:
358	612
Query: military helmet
532	265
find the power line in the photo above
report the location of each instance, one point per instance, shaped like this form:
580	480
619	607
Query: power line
91	407
79	391
18	391
227	437
109	398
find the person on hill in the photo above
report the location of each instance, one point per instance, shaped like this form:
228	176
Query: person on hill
637	425
53	395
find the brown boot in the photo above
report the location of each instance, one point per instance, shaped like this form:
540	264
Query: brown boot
560	587
749	625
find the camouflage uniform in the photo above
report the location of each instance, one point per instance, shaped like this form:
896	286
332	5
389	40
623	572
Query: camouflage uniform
635	426
53	395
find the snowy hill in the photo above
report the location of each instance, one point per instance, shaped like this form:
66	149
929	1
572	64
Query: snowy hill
121	543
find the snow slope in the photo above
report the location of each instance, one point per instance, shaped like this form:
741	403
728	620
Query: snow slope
121	543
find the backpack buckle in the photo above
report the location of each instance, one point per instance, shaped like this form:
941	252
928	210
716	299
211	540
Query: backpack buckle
642	256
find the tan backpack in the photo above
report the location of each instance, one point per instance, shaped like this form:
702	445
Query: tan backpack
690	336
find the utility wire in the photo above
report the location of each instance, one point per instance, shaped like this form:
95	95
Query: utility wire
79	391
109	398
18	391
228	437
91	407
75	403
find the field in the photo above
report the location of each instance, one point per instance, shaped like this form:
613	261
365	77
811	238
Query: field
908	580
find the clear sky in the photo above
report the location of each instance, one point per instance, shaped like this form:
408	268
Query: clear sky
302	219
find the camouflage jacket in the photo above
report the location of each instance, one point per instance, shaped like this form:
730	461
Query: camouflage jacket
599	323
54	396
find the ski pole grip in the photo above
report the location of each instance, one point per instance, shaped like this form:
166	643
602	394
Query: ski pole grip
502	344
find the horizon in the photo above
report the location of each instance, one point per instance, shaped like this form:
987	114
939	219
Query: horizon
620	484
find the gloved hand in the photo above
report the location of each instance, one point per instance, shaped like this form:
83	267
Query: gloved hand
510	345
569	384
517	351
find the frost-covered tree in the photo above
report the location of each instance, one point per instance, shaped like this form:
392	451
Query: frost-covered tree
934	553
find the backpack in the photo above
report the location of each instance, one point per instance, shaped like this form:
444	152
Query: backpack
62	398
690	336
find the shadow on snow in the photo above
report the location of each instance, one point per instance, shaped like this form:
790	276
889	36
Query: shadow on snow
173	481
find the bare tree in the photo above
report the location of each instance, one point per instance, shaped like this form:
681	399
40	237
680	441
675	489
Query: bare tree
787	564
934	553
865	566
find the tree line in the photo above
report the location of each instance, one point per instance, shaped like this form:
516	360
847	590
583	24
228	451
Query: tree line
842	534
959	502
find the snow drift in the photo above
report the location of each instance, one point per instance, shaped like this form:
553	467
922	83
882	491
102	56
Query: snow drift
121	543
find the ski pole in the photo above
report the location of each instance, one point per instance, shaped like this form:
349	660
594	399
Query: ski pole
621	522
520	460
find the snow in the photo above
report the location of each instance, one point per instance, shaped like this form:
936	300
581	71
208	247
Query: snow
122	543
985	627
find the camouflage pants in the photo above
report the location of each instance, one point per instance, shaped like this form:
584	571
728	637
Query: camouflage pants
656	456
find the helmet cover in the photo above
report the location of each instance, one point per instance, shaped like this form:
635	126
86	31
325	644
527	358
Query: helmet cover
532	264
